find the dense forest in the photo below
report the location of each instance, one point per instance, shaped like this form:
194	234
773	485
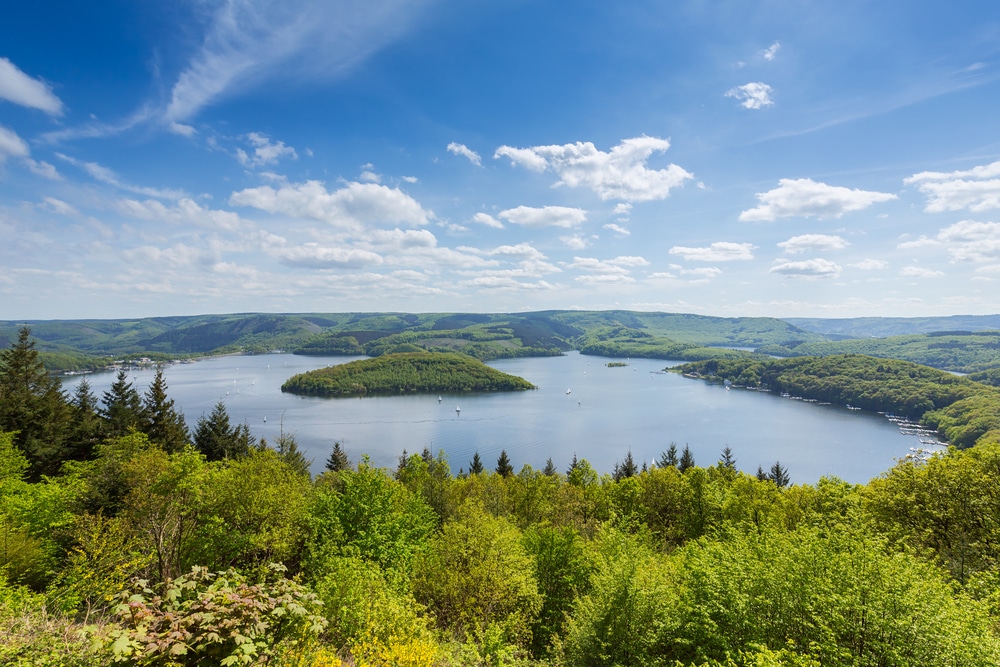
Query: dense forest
127	539
404	372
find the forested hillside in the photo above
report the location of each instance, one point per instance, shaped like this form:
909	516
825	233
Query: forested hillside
126	538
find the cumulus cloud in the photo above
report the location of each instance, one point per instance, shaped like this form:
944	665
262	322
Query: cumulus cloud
615	270
970	241
249	42
316	256
488	220
919	272
806	198
809	269
466	152
720	251
12	145
575	242
755	95
870	265
519	251
617	229
105	175
19	88
185	210
976	189
811	242
264	151
771	52
355	205
619	174
546	216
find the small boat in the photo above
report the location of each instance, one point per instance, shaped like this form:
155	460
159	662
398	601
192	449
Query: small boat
265	419
569	391
440	399
458	411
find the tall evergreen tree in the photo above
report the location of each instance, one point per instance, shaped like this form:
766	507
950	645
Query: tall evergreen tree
217	440
33	403
163	424
626	468
572	466
475	465
668	459
779	474
504	468
728	461
122	410
550	468
687	459
87	428
761	475
288	450
338	459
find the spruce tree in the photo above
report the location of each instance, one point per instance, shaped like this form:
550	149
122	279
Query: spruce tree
687	459
504	468
338	459
217	440
728	461
550	468
33	403
475	465
288	450
572	466
87	428
122	409
779	474
163	424
668	459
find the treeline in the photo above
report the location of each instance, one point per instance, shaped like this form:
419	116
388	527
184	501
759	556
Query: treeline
219	550
405	372
964	411
623	341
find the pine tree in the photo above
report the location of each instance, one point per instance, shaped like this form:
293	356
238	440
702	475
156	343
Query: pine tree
33	404
163	424
217	440
728	461
550	468
668	459
625	469
288	450
779	474
122	409
761	475
687	459
572	466
87	428
504	468
475	465
338	459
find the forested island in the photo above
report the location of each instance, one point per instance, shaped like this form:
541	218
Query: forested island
405	373
126	538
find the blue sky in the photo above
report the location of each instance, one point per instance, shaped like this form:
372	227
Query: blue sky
776	158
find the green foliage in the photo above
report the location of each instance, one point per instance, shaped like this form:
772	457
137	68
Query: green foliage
162	423
215	618
217	439
423	372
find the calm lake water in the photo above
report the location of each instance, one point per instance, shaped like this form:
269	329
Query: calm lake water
581	407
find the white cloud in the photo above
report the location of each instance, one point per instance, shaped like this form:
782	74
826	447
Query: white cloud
808	269
12	145
409	179
355	205
870	265
720	251
617	229
976	189
488	220
370	177
806	198
922	242
604	279
185	210
754	95
19	88
623	208
970	241
812	242
59	206
575	242
619	174
521	251
919	272
508	284
264	151
465	151
546	216
249	42
105	175
771	52
316	256
43	169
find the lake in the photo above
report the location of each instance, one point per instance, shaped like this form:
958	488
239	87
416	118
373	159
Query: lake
581	407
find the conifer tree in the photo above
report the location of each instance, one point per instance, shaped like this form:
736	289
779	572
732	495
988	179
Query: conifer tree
33	404
217	440
475	465
626	468
728	461
289	452
550	468
86	428
163	424
122	409
779	474
338	459
572	466
504	468
687	459
668	459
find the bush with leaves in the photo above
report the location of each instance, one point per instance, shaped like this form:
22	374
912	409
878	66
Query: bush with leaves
220	618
